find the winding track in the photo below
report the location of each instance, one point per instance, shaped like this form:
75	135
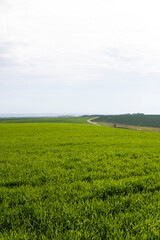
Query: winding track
90	121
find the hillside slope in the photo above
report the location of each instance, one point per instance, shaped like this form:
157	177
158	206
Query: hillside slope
81	120
132	119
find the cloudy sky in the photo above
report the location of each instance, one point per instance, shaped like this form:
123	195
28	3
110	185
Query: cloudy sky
79	56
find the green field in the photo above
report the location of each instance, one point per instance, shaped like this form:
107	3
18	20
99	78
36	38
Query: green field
82	120
132	119
77	181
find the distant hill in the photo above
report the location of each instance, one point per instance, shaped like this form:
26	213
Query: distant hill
81	120
132	119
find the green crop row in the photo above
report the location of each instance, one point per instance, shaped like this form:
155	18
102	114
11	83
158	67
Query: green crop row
132	119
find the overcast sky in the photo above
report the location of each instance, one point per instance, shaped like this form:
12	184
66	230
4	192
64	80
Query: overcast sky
80	56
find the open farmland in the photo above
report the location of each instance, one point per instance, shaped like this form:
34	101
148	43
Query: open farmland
140	120
82	120
76	181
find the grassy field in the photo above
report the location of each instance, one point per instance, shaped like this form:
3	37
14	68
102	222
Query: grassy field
76	181
140	120
82	120
139	128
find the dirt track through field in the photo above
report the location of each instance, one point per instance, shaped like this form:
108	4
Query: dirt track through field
118	126
90	121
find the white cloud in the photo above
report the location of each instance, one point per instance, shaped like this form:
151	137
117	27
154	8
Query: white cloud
79	42
60	32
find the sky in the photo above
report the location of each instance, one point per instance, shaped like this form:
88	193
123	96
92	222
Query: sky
79	56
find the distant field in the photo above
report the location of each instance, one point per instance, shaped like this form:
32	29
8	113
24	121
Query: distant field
78	182
82	120
134	120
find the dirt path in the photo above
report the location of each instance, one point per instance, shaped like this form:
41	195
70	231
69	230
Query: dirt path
90	121
137	128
